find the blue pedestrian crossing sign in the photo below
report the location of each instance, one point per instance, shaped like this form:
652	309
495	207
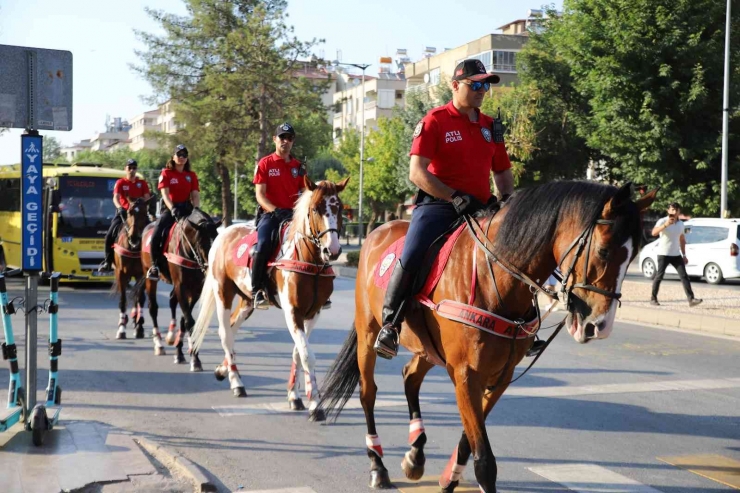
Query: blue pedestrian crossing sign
32	214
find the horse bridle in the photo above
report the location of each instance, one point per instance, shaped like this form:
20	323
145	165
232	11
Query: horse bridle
316	238
579	243
201	264
128	229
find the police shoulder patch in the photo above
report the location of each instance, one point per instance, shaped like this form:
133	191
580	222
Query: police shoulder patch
418	129
486	134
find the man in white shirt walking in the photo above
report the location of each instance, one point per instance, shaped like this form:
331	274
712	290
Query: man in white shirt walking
672	250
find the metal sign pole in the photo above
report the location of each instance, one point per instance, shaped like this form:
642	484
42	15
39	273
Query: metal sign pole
31	338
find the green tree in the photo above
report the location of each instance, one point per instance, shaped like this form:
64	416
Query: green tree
231	67
649	76
52	150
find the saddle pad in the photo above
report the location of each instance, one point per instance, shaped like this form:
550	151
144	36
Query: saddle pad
148	239
240	254
383	270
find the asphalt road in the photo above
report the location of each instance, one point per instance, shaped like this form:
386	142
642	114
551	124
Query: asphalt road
597	414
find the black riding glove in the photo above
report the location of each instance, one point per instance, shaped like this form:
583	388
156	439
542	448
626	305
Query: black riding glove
178	212
464	203
122	212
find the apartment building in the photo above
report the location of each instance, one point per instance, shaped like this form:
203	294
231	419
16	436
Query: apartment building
70	152
380	94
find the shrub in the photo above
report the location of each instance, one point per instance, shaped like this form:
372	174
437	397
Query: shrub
353	258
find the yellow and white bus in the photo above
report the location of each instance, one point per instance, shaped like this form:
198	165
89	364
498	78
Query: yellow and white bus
78	206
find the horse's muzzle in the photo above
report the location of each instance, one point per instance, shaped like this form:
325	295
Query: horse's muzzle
326	253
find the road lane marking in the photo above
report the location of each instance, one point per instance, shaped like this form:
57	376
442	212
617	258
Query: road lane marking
430	484
281	407
624	388
590	478
303	489
718	468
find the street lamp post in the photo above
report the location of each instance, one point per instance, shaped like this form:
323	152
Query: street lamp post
362	139
725	117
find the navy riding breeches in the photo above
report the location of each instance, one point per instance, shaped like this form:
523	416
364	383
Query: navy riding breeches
429	221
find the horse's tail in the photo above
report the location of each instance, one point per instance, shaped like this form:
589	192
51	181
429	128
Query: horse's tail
342	379
206	306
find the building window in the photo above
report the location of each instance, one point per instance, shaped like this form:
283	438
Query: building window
504	61
386	98
434	77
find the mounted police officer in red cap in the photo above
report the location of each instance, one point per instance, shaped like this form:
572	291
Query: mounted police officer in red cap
454	150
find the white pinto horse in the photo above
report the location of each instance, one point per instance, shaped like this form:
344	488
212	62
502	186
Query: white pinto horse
300	281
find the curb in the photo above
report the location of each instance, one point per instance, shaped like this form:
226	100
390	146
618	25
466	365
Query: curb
688	321
184	465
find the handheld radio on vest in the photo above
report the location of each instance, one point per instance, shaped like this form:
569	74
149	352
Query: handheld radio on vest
498	129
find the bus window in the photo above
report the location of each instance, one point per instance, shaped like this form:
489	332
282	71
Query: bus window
86	206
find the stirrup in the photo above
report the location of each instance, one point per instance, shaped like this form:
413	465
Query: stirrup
327	305
152	273
105	266
537	347
387	349
259	300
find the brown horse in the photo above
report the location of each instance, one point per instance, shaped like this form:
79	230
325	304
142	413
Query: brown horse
127	265
187	262
301	283
591	231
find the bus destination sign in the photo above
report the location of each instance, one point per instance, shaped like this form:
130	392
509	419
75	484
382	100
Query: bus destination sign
31	205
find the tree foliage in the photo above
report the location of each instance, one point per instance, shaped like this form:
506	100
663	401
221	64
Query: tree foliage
642	80
231	67
52	150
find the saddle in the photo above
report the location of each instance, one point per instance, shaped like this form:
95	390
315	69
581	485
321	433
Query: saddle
243	251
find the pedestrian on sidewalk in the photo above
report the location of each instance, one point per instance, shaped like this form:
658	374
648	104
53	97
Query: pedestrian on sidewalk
672	251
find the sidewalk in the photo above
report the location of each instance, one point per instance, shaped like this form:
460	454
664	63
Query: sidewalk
719	313
91	457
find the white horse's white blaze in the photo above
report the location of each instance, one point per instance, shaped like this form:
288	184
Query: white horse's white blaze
331	222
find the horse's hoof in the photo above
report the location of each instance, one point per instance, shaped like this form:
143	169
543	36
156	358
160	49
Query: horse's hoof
139	332
120	335
170	338
450	488
195	366
219	376
414	472
296	405
318	415
180	359
379	480
240	392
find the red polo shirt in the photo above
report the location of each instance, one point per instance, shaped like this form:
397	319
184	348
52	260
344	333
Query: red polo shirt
180	184
130	190
284	180
463	153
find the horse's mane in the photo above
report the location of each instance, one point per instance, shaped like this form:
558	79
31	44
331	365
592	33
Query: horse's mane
532	216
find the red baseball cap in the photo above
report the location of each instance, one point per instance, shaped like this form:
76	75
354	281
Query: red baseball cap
474	69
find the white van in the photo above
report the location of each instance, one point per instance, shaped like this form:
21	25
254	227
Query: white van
711	247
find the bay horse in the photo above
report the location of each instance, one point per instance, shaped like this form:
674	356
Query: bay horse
187	262
300	282
475	325
127	265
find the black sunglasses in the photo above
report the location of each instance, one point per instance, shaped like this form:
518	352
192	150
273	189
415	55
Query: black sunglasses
287	137
182	154
476	85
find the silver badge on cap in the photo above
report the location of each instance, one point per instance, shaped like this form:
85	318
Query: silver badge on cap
486	134
286	126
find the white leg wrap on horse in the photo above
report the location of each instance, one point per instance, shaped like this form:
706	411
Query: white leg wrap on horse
234	378
373	443
416	428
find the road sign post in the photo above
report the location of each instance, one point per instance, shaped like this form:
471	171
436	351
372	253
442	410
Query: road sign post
31	222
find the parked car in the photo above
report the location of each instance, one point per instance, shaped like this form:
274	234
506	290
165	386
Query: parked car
246	222
712	247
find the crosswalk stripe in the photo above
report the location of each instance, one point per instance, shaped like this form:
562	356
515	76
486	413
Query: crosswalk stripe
589	478
430	484
711	466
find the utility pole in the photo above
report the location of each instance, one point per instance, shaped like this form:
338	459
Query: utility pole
723	211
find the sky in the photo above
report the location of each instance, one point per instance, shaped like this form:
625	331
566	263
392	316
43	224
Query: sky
100	35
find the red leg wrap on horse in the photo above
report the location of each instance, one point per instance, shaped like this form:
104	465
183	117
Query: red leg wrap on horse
453	471
373	443
416	429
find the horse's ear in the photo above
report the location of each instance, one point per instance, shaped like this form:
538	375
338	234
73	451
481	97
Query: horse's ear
644	202
623	195
219	222
342	184
309	184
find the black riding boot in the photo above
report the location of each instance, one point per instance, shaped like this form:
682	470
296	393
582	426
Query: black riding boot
394	307
259	272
